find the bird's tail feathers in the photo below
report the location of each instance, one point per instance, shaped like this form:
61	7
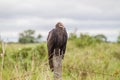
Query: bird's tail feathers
51	62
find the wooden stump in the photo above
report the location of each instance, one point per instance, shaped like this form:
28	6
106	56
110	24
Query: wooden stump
57	60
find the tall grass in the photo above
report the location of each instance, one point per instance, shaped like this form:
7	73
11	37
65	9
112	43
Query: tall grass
29	62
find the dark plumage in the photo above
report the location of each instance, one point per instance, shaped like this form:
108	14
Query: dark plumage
56	43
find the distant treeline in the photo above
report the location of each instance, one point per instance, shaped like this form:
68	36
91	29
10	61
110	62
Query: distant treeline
86	39
28	36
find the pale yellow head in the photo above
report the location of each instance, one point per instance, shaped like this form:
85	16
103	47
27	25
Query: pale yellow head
59	24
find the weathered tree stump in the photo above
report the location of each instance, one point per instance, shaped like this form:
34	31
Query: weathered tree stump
57	61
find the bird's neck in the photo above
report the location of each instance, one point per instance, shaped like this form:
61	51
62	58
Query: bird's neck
62	28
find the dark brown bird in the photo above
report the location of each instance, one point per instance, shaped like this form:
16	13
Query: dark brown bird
56	43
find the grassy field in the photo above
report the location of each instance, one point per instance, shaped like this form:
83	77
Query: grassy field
29	62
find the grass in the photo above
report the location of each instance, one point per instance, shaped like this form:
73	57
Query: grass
95	62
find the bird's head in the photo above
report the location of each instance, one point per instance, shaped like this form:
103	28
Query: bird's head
60	25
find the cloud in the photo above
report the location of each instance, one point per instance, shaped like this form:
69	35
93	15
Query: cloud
77	9
94	16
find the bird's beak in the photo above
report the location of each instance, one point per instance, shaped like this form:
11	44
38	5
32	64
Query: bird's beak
61	26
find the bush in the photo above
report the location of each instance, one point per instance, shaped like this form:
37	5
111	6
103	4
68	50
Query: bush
25	56
39	51
72	36
118	39
85	40
100	38
28	52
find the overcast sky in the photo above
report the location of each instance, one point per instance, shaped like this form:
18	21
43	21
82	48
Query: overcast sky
84	16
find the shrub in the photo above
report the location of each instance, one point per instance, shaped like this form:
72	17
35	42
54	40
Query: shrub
87	40
118	39
39	51
72	36
24	52
84	40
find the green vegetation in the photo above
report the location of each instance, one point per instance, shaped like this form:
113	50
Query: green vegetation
27	36
118	39
86	58
86	39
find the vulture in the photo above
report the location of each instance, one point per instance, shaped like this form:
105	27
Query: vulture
56	43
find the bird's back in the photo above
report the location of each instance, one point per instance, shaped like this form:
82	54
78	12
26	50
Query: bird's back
60	37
